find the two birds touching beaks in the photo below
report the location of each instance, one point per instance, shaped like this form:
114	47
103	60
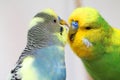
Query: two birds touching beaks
91	38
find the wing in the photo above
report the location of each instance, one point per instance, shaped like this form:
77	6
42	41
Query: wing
15	75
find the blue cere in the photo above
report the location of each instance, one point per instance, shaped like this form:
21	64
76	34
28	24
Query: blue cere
59	18
74	25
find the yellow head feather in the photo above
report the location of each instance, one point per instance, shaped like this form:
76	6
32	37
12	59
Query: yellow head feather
50	12
84	15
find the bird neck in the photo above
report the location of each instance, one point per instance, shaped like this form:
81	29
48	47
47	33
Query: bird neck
43	41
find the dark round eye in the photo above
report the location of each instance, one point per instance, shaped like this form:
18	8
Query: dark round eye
76	21
54	21
87	28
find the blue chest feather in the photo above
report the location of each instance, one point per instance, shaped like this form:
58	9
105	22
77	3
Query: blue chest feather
50	63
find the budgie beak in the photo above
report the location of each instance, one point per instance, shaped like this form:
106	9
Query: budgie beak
62	22
73	30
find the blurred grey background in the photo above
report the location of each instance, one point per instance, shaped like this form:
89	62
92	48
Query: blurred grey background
15	16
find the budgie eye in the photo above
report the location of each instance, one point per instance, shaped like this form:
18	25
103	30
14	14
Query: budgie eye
55	21
88	28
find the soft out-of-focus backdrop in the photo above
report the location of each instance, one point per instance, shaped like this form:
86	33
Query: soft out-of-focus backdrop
15	16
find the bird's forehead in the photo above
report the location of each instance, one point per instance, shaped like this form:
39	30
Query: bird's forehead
50	12
86	15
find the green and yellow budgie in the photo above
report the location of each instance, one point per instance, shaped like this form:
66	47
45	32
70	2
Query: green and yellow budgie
43	57
96	42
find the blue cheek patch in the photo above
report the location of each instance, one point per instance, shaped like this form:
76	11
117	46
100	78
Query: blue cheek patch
74	25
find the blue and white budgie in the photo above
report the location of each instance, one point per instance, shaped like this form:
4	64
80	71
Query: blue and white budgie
43	57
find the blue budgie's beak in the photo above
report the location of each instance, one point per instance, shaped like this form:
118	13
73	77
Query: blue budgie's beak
74	25
62	22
